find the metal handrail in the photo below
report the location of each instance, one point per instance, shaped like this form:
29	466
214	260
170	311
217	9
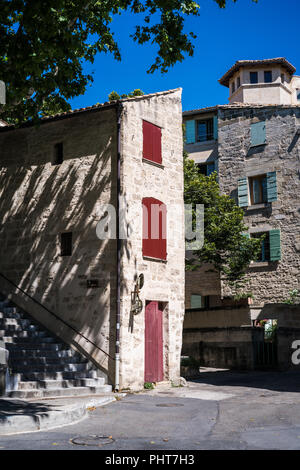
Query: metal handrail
55	315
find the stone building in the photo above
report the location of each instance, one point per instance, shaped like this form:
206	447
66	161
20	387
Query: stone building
58	182
253	143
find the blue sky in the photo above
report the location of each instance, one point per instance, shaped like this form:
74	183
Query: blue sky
244	30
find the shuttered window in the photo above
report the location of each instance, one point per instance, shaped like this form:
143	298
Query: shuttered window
190	132
258	133
206	169
262	188
271	245
152	142
243	192
154	228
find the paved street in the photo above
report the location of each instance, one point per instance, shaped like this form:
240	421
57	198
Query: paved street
221	410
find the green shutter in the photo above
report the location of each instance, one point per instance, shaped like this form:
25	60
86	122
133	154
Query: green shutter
243	192
215	127
272	186
275	248
196	301
258	133
210	168
190	132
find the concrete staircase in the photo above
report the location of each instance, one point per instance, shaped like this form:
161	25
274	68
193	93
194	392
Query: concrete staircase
41	364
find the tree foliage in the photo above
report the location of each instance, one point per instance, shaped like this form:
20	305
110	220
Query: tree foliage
225	245
114	95
44	45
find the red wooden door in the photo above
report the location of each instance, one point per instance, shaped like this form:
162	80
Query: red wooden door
153	343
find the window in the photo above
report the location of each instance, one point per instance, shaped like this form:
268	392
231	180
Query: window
258	133
58	154
282	78
238	82
253	77
205	130
298	94
205	168
152	142
199	301
232	87
154	228
66	244
270	246
268	76
258	189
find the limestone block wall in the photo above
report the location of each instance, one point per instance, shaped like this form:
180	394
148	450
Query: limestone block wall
39	201
270	282
164	281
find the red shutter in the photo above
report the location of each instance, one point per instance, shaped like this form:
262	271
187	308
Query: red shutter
154	228
152	142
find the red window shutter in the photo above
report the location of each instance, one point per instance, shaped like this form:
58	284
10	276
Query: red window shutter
154	228
152	142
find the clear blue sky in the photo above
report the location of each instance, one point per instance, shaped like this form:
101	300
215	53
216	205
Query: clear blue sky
244	30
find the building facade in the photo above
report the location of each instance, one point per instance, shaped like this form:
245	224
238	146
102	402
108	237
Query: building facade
59	182
253	143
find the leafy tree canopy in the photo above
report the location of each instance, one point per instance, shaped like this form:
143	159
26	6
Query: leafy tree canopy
115	96
225	245
44	45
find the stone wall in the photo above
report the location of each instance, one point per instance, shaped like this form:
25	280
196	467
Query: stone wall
39	201
164	281
270	282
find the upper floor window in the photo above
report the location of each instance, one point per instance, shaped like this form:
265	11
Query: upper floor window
258	133
205	130
268	76
238	82
270	246
298	94
152	142
258	189
232	87
253	77
264	254
154	228
199	301
282	78
58	154
206	168
66	244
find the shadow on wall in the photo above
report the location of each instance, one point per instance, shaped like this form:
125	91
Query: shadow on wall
38	202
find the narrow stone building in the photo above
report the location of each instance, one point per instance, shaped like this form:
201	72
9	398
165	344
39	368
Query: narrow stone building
75	202
253	143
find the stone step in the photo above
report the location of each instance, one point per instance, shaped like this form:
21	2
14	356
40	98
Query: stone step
54	384
19	354
36	346
60	392
17	322
12	333
19	369
16	316
69	375
32	362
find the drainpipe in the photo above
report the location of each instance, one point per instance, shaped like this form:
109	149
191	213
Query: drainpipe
117	351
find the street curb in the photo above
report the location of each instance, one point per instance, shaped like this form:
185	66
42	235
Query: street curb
43	421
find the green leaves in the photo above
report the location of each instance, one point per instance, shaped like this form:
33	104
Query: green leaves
225	245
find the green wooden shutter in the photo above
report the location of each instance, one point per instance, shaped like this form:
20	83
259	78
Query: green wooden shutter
190	132
196	301
243	192
272	186
215	127
258	133
210	168
275	248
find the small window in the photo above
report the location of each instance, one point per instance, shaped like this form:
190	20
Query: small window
258	189
206	168
258	133
282	78
152	142
58	154
298	94
205	130
199	301
238	82
264	254
66	244
232	87
268	76
253	77
154	228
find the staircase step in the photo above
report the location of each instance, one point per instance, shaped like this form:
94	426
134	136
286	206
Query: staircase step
36	346
36	361
56	384
12	334
55	375
18	355
60	392
51	368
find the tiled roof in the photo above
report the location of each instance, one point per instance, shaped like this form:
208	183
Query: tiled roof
94	107
252	63
237	106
